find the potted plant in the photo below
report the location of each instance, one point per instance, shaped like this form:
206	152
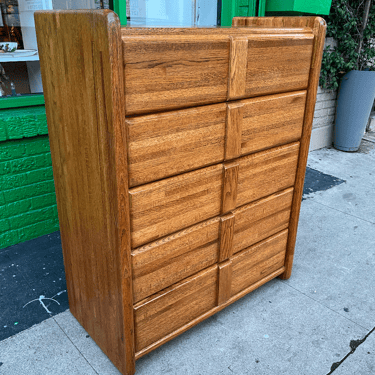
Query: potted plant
351	65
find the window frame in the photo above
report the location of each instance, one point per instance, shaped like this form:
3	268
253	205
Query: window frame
29	100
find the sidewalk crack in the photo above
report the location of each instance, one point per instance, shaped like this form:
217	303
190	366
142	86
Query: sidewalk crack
354	344
75	346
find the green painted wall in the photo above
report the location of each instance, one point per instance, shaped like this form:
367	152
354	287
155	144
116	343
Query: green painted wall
240	8
27	192
321	7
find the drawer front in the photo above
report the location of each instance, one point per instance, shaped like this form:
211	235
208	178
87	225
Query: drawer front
164	313
258	261
166	72
278	64
166	144
162	145
256	221
179	71
271	121
165	262
164	207
266	172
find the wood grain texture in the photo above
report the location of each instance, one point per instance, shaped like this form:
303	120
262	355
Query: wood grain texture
226	236
271	121
81	62
278	63
162	145
210	31
256	221
266	172
258	261
164	207
233	139
237	67
167	72
165	262
224	282
230	180
274	23
319	32
209	313
171	309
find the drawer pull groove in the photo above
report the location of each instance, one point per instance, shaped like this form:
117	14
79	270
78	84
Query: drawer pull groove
233	132
237	67
224	282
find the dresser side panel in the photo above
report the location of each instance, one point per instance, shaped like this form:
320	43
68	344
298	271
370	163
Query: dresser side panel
81	63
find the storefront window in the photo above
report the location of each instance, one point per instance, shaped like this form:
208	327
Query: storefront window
19	59
173	13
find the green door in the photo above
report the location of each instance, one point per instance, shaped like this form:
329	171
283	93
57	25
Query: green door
241	8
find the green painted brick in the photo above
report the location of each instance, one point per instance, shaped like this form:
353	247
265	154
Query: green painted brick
3	134
7	239
12	181
4	225
12	150
19	207
37	229
23	122
2	198
3	211
39	175
4	167
29	163
35	146
31	217
29	191
44	201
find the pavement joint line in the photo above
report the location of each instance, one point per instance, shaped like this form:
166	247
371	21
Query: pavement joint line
322	304
354	344
75	346
343	212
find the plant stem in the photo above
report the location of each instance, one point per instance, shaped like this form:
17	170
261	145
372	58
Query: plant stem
366	12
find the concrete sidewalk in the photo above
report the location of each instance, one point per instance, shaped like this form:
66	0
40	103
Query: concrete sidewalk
320	321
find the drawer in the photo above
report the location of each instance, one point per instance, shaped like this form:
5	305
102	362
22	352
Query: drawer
271	121
165	262
166	206
167	311
266	172
179	71
256	221
166	144
258	261
169	72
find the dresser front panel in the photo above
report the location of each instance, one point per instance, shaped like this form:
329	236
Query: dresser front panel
164	72
266	172
171	259
167	311
278	64
166	144
167	72
166	206
272	120
258	261
256	221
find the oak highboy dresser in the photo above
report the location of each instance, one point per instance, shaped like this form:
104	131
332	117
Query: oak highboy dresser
179	158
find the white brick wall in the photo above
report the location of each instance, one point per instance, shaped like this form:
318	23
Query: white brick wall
324	116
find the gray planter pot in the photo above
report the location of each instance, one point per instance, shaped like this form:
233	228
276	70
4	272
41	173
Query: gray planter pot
355	99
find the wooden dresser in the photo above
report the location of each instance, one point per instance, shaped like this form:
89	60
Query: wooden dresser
179	158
